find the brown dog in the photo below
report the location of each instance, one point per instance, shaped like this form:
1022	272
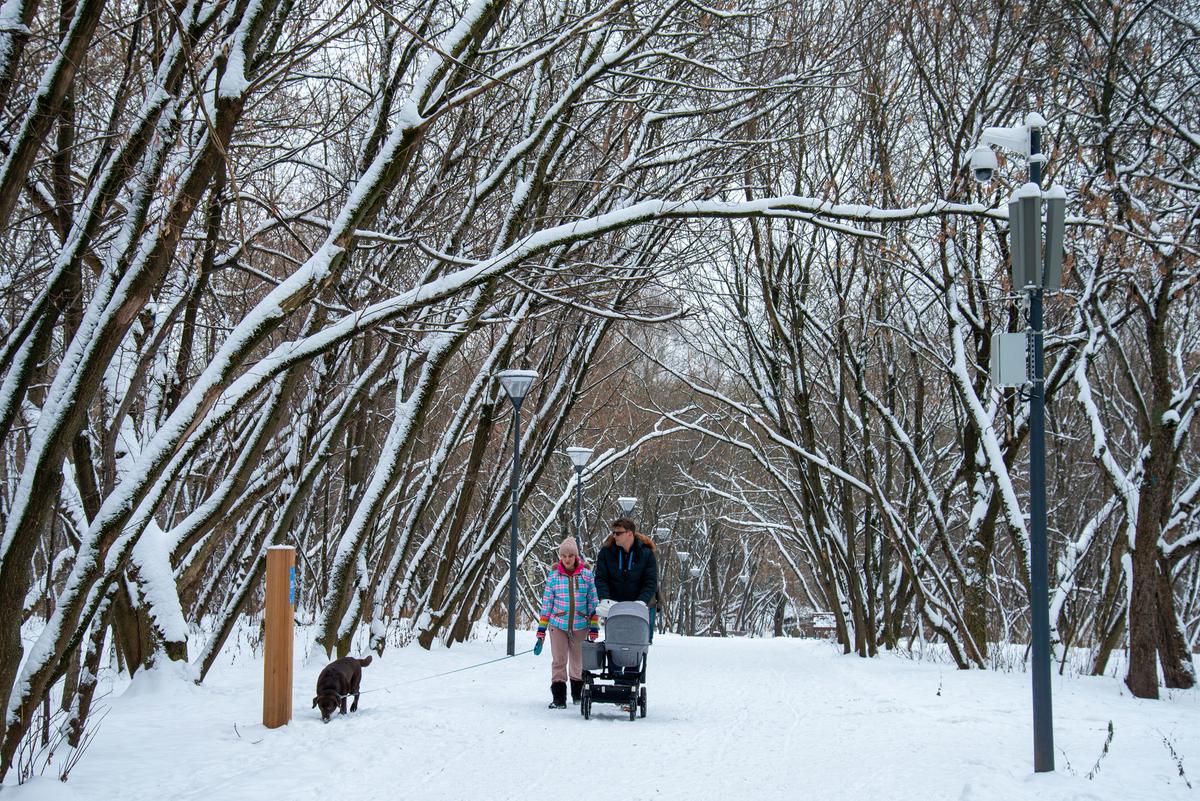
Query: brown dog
338	681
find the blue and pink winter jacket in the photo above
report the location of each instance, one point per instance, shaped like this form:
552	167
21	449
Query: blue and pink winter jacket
569	600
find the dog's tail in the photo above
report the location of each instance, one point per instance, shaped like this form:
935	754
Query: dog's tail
364	662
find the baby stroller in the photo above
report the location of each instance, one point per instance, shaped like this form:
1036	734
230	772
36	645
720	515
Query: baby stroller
620	659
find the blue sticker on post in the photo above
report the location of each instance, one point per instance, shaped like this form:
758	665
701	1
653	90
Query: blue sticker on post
292	586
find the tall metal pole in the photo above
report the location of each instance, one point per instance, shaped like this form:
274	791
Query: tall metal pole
691	608
1043	729
578	508
692	602
683	591
512	546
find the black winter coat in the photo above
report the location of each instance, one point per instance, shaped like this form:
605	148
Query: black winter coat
624	576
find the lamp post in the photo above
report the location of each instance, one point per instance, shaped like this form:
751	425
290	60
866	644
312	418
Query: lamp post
516	384
683	557
662	533
918	625
627	503
579	457
1035	271
692	602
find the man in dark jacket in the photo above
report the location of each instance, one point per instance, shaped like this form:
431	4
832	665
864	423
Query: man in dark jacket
626	569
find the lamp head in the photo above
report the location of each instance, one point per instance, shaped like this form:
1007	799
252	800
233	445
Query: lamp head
683	557
517	383
626	503
579	456
662	532
695	571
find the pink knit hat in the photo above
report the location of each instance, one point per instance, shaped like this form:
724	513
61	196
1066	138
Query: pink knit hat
568	547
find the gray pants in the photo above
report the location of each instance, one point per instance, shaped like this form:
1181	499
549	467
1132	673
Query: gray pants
566	651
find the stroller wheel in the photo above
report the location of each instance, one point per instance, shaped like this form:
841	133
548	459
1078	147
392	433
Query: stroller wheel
642	703
633	707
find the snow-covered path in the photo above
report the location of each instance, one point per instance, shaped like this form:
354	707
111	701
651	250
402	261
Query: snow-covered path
728	719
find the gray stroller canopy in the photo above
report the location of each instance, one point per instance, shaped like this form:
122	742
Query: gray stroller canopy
627	632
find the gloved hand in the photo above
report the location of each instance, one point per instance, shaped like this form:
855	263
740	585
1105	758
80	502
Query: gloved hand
604	606
643	603
537	649
592	635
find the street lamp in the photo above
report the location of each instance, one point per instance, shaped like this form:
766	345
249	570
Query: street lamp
683	557
516	383
918	625
579	457
692	602
627	503
1035	271
662	533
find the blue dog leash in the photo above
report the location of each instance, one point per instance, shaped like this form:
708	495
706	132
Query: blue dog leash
447	673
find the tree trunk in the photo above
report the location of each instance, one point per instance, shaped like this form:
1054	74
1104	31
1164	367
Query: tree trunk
131	629
1178	670
978	574
1142	675
82	705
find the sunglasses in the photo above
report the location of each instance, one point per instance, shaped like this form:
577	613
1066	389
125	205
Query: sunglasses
620	531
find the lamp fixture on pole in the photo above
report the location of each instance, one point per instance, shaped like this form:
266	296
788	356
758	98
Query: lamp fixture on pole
516	385
627	504
579	458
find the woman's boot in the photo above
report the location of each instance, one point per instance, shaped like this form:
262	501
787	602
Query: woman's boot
558	689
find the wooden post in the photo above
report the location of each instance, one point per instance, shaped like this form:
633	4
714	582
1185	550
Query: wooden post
277	650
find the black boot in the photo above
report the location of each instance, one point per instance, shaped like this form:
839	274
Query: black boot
558	689
576	690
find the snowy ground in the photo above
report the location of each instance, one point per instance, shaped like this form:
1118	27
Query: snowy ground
728	719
